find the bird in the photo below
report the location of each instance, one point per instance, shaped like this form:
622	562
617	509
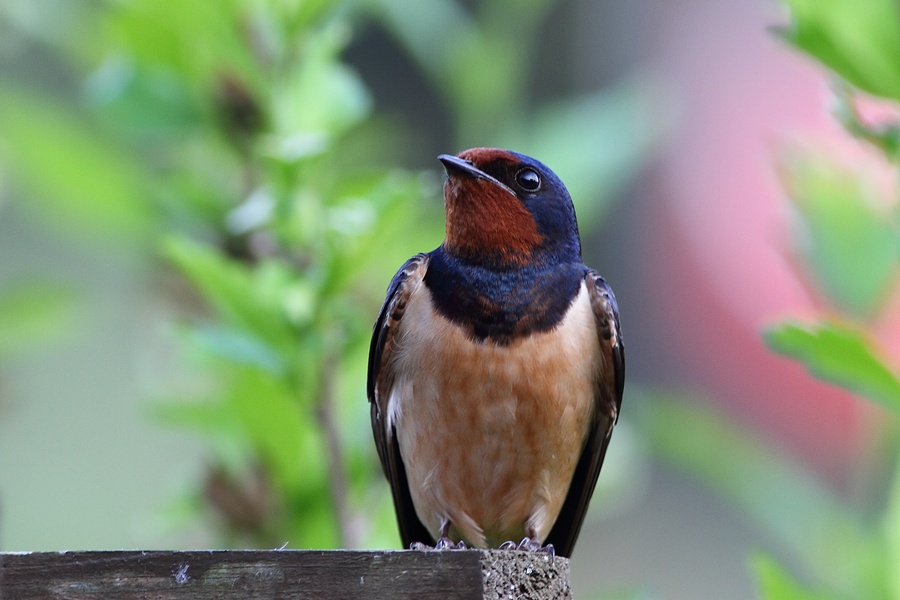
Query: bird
496	366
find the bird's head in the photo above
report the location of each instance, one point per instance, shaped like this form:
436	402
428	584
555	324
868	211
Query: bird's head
507	209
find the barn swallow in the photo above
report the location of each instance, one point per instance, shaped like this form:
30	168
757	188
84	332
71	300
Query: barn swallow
496	367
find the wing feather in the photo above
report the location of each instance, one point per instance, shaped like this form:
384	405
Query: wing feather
608	400
380	382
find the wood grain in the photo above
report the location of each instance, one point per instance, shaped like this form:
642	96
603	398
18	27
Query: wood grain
282	574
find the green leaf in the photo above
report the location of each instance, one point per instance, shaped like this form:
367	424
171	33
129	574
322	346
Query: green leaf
237	346
848	244
297	16
376	212
830	540
840	356
32	314
284	436
317	102
775	583
76	178
194	38
860	41
883	135
234	291
255	417
139	100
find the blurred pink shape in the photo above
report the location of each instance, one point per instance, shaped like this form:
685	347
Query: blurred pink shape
724	270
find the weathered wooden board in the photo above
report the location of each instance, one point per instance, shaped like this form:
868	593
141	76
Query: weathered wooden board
282	574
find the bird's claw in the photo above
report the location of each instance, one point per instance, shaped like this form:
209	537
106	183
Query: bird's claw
529	544
443	543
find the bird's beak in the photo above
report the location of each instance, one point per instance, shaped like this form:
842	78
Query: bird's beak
455	166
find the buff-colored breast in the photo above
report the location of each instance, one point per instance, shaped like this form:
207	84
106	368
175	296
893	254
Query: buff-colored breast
490	435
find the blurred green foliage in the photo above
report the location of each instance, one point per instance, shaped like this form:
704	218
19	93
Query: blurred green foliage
839	355
231	142
844	235
225	140
833	541
775	583
857	40
482	61
846	241
849	236
32	314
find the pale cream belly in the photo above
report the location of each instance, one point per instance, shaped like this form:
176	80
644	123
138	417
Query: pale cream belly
490	435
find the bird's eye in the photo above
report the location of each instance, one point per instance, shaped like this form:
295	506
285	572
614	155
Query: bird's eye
528	180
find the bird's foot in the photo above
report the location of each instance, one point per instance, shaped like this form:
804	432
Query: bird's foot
529	544
443	543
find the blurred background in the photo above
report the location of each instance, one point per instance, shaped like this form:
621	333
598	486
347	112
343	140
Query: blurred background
202	204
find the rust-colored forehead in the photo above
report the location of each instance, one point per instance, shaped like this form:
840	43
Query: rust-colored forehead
485	219
486	156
